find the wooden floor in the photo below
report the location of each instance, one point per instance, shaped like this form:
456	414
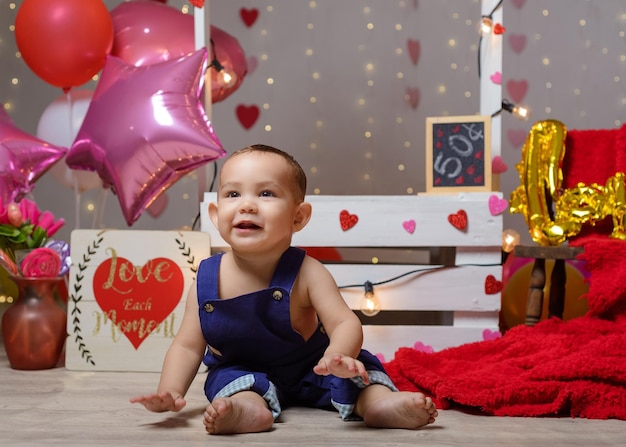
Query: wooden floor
67	408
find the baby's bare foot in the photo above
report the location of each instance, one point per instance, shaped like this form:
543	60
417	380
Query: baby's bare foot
401	410
227	415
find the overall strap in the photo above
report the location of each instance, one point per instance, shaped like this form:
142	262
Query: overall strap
207	278
288	268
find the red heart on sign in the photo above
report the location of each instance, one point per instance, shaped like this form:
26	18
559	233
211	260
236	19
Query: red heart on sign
347	220
249	16
137	299
247	115
492	285
458	220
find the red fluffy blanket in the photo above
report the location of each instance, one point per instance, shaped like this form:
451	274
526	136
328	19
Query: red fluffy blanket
576	367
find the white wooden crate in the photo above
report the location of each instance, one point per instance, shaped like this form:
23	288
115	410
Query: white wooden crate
467	290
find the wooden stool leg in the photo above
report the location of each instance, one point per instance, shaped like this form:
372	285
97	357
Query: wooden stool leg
534	302
557	289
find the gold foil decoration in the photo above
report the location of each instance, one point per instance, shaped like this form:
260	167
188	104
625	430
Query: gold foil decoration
553	214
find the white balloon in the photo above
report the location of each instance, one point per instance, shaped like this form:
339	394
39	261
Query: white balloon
59	124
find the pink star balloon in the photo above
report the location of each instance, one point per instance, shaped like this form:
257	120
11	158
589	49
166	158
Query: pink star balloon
23	159
145	129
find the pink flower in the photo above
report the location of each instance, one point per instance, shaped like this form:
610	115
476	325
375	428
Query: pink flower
42	262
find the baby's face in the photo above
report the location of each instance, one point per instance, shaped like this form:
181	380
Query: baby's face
257	202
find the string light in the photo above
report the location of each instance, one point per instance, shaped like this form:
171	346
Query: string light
486	27
519	111
225	78
370	305
510	238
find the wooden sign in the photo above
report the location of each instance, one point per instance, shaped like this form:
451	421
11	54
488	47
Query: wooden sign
127	294
458	154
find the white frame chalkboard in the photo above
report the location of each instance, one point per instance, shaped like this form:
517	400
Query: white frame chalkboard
434	161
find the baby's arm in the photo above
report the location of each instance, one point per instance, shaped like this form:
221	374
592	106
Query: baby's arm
340	323
181	362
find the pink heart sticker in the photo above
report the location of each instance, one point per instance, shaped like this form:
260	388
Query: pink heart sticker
497	205
421	347
517	42
409	226
496	78
518	3
516	137
413	46
517	89
498	166
412	96
488	334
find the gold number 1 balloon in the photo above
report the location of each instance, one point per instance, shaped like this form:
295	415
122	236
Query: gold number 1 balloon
553	214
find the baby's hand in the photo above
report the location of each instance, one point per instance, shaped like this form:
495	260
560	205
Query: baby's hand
160	402
341	366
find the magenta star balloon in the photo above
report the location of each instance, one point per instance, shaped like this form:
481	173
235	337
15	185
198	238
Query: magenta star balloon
23	159
145	129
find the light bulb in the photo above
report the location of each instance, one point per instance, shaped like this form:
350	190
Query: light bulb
521	112
226	78
485	26
510	238
370	305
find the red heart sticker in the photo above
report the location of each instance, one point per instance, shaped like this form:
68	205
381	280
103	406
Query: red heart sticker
492	285
249	16
137	299
247	115
347	220
458	220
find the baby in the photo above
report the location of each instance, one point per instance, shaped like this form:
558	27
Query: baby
269	321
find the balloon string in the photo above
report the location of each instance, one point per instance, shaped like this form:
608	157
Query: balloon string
99	214
70	107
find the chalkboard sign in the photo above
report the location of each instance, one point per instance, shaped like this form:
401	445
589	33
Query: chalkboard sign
458	153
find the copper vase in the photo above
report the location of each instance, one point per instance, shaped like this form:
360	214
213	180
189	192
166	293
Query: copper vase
34	327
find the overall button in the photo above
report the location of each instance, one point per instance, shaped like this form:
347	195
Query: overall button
208	307
277	295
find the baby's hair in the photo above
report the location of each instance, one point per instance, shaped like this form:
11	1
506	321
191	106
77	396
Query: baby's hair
298	172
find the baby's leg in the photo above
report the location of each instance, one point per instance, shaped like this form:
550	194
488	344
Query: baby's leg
380	407
243	412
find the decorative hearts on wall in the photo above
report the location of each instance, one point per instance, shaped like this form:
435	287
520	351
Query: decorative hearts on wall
413	45
119	299
498	166
458	220
252	63
518	3
412	96
159	205
516	137
247	115
347	220
249	16
517	89
517	42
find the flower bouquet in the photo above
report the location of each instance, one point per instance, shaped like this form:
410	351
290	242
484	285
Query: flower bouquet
26	249
33	328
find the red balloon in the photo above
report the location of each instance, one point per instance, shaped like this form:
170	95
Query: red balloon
64	42
148	32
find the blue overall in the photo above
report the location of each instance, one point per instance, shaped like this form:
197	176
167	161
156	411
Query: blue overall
252	345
